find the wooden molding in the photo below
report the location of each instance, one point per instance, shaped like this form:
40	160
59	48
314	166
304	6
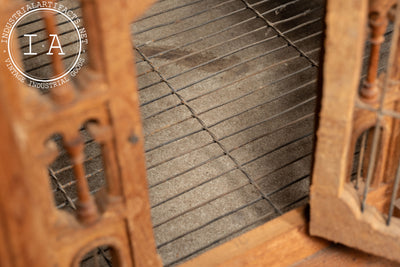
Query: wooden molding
280	242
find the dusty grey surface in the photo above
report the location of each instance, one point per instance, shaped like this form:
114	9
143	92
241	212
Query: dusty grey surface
228	92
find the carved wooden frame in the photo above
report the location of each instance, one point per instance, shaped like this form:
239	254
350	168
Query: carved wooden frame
104	98
335	204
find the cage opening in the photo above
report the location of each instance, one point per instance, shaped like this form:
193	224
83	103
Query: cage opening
63	178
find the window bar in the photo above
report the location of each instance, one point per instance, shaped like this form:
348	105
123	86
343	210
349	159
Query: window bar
374	150
394	58
394	194
361	159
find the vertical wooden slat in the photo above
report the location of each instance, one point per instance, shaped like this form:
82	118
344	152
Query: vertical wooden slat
344	44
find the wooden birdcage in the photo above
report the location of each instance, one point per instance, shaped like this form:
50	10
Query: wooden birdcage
355	176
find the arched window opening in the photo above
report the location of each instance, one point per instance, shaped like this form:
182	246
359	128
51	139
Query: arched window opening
77	173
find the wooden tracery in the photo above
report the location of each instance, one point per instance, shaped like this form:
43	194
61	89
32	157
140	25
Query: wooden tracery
103	99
